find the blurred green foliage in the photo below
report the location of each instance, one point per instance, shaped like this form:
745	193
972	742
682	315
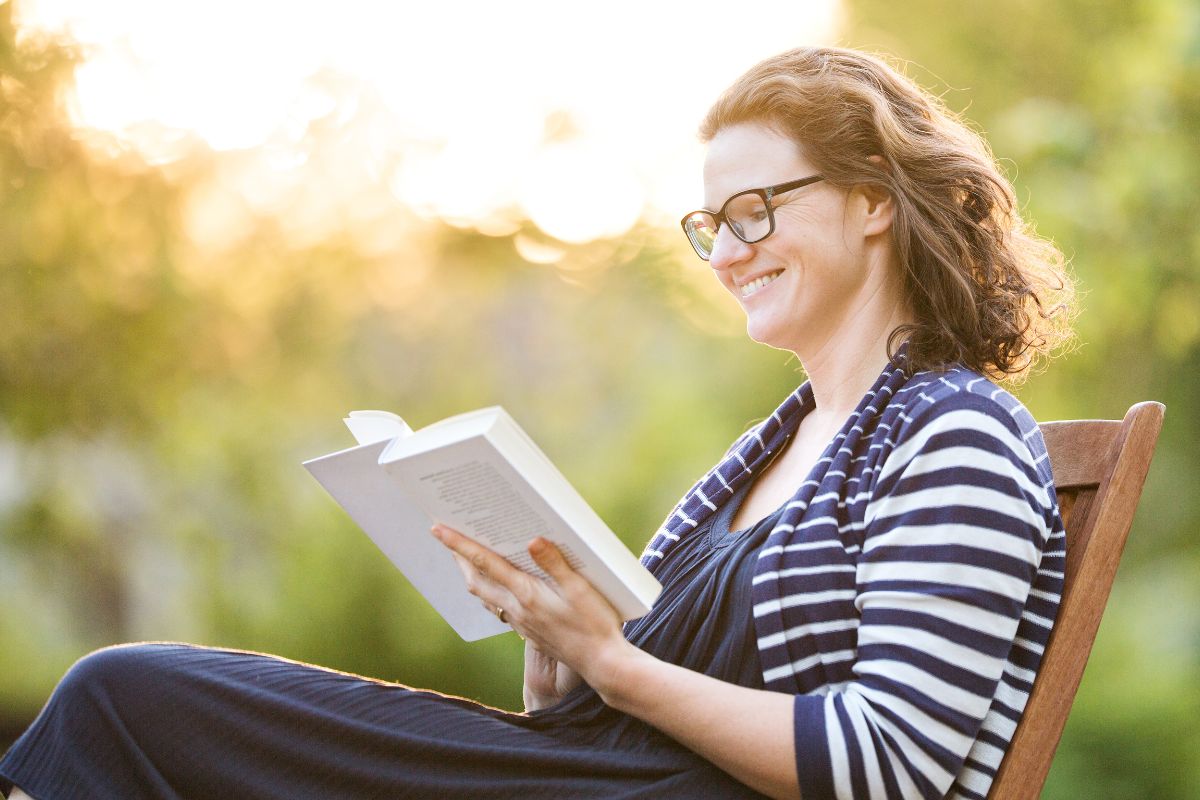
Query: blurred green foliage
157	396
157	393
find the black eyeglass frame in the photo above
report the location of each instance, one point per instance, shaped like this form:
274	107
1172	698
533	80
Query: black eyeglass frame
766	193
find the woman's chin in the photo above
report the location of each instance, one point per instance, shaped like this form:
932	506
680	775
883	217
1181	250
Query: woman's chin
770	333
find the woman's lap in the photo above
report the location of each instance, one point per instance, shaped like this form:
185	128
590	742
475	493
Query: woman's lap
172	720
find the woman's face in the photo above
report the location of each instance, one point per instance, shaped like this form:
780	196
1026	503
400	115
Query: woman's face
812	277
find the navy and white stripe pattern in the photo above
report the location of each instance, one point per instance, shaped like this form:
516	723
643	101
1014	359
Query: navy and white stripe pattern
907	592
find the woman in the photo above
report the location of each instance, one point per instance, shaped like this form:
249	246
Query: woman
855	599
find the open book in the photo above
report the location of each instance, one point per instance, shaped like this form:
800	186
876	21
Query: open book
481	474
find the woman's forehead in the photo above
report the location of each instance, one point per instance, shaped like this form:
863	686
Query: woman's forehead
749	156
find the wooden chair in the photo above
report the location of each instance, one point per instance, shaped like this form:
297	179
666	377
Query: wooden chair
1099	468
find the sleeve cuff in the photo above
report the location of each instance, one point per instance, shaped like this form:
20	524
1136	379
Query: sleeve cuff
814	768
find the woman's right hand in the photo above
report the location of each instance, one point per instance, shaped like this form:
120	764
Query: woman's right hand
547	679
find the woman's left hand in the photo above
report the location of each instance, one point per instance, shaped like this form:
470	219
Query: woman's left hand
563	617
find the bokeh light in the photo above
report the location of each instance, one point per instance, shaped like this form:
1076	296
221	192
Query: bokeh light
580	118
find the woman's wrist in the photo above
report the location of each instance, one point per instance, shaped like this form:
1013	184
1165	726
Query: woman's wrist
614	673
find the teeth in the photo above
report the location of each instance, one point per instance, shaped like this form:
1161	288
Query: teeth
758	283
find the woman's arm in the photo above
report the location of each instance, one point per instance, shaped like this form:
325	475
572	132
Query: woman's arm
746	732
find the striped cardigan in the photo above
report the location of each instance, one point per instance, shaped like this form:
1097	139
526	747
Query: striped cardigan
906	593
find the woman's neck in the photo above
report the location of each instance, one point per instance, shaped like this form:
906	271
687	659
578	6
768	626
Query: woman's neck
846	365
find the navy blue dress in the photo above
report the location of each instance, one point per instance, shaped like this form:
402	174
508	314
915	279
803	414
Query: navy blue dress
179	721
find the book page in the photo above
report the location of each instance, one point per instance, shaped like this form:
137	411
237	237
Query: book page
369	427
493	510
472	487
400	529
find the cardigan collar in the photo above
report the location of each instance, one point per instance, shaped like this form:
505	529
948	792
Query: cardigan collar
755	450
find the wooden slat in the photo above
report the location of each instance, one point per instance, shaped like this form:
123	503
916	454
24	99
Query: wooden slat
1100	468
1079	450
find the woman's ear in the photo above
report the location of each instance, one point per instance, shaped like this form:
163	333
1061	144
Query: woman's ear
879	206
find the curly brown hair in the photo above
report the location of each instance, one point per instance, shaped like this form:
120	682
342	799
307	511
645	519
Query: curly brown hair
987	292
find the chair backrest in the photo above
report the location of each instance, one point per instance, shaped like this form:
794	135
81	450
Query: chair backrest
1099	469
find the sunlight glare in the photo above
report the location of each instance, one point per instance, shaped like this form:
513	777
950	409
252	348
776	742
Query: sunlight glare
576	192
456	95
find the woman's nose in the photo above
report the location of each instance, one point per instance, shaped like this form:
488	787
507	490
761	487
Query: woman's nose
728	250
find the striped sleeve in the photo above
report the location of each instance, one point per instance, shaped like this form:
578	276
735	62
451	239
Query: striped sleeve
953	534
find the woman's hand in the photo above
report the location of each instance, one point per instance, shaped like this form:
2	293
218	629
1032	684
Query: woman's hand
547	679
747	732
571	632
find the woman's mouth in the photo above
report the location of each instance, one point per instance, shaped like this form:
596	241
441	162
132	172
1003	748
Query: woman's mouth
758	283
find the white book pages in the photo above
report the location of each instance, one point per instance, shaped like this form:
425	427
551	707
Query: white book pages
400	529
481	474
376	426
503	498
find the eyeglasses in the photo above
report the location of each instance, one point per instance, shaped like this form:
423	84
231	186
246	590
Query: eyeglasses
749	214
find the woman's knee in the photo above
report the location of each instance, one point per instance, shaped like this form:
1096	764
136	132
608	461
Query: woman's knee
116	670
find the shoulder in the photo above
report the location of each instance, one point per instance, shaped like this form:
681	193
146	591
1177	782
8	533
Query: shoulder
961	412
926	397
957	398
961	451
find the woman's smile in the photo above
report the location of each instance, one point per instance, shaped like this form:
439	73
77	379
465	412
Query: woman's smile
759	283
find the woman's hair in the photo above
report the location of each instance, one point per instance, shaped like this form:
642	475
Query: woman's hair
987	292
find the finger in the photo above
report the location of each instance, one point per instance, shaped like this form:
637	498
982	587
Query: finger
468	572
491	577
492	596
483	587
547	556
484	561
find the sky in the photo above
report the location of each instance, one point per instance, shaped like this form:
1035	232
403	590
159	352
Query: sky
579	116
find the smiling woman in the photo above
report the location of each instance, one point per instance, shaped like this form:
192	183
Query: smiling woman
855	598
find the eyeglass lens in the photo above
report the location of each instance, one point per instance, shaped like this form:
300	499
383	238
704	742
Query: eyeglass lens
746	214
